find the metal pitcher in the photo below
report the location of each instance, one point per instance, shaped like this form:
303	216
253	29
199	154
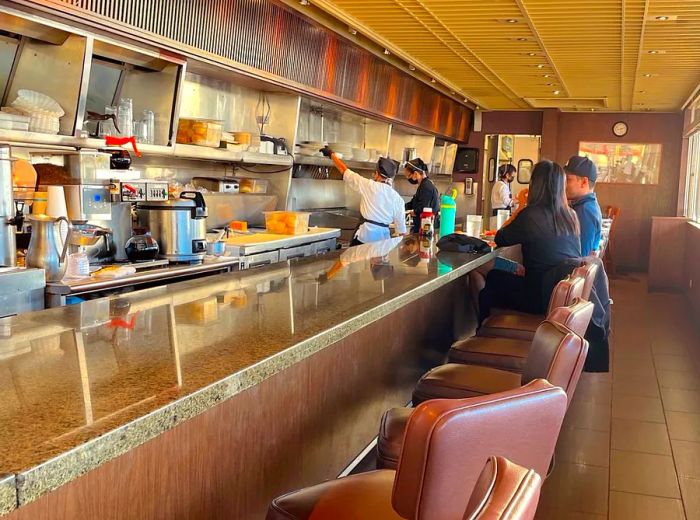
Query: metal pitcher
43	250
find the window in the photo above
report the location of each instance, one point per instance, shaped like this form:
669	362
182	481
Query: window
692	197
625	163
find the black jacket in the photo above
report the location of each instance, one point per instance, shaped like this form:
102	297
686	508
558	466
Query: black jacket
544	252
427	196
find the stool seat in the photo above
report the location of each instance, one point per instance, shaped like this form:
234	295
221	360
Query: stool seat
366	495
504	353
390	441
516	326
455	381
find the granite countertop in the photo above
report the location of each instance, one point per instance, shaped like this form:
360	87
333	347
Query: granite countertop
83	384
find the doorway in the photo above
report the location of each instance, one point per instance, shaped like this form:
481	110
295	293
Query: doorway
522	151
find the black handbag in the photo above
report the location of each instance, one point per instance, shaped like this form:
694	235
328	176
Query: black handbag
459	243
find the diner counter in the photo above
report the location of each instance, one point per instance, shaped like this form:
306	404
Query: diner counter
83	384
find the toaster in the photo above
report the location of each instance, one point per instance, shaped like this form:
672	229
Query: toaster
216	184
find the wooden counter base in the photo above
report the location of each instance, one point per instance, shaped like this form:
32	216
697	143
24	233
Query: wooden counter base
297	428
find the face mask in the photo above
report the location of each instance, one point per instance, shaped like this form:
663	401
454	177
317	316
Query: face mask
413	181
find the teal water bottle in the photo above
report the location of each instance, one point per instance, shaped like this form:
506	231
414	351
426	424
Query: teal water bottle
448	213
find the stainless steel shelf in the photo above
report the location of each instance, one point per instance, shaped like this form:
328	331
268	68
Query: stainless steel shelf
324	161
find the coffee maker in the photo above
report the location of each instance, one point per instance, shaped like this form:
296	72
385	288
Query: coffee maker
11	218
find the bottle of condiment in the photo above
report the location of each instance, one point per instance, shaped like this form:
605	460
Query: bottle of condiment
426	222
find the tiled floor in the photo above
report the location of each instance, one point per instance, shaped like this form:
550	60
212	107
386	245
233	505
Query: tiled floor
630	445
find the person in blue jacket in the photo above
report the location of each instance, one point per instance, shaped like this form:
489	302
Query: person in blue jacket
581	175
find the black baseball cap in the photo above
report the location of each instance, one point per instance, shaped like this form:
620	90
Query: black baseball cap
582	167
387	167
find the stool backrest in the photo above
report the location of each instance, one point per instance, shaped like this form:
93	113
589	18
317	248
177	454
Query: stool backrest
448	441
575	317
504	491
588	272
556	354
565	292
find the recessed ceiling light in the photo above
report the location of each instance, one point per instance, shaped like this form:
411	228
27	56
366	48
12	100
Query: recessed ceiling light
540	66
432	80
592	109
511	20
532	54
466	100
556	92
411	67
661	18
647	75
641	92
386	51
304	2
546	75
521	39
352	31
453	92
655	52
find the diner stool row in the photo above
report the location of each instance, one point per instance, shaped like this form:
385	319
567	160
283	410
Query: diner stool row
441	473
484	429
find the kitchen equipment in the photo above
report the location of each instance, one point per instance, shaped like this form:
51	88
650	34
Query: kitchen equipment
95	241
408	154
149	127
119	159
14	121
216	184
141	248
88	202
43	249
78	264
121	224
202	132
217	248
89	166
178	225
141	191
8	247
474	226
125	116
254	185
278	145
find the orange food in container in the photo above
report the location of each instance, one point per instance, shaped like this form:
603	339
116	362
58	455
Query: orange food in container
202	132
287	222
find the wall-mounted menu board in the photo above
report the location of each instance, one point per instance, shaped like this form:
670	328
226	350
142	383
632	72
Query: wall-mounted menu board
624	163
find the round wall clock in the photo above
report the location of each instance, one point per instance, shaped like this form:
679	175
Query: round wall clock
620	128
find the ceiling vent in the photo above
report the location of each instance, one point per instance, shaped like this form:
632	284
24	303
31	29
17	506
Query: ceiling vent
568	103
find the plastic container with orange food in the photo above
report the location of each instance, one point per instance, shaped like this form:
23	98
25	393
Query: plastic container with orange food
253	185
202	132
286	222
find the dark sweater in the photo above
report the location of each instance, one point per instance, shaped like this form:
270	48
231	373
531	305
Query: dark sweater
427	196
544	252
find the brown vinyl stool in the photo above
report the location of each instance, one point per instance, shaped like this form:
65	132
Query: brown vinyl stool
440	475
557	355
510	354
523	326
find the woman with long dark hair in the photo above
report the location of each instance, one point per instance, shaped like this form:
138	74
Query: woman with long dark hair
548	231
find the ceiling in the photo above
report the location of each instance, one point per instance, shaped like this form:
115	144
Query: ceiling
616	55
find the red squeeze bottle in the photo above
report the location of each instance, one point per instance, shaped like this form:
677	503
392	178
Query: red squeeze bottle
111	140
426	222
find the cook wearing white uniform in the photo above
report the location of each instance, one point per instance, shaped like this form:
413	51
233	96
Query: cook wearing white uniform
380	204
501	196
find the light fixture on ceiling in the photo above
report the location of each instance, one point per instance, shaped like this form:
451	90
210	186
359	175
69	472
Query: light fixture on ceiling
556	92
647	75
411	67
432	80
532	54
540	66
521	39
511	20
641	92
453	92
592	109
386	51
352	31
466	100
549	84
655	51
546	75
661	18
304	2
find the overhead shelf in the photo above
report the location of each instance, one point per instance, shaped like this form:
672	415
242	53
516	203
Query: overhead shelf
324	161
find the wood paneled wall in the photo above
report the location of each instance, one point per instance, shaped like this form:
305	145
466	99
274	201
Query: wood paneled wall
638	202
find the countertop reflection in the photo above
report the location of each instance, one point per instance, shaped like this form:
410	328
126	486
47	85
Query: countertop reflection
82	373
